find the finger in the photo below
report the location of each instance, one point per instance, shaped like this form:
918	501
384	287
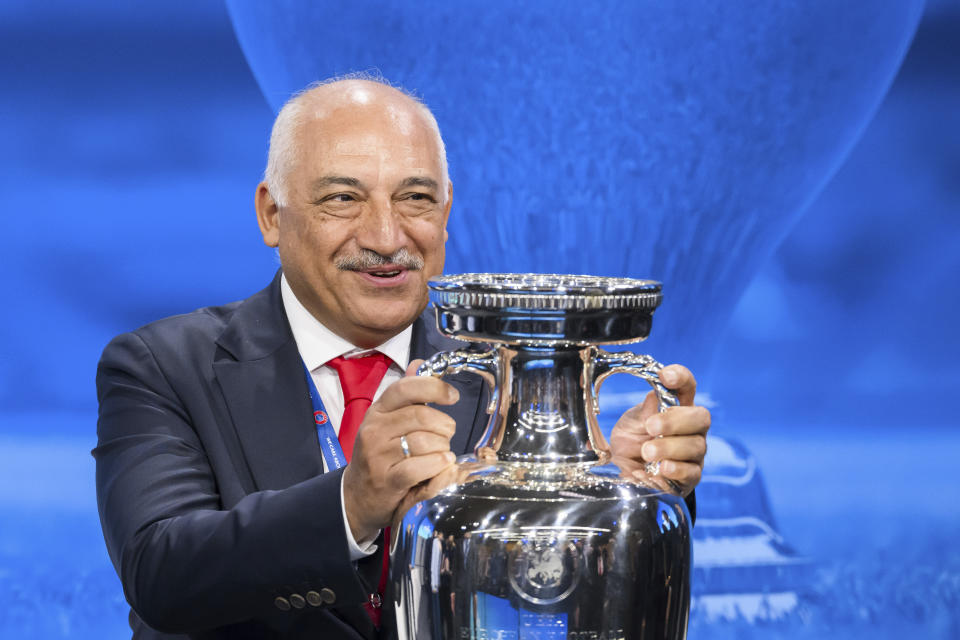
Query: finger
678	379
426	490
631	430
436	484
679	421
415	390
626	442
634	417
419	417
411	471
678	448
628	465
686	474
423	442
379	434
413	366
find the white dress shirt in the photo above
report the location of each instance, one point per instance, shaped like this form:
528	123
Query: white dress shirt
317	346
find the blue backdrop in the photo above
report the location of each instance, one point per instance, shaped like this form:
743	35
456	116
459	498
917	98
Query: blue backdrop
134	137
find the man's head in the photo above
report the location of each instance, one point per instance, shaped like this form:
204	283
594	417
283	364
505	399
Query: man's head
356	199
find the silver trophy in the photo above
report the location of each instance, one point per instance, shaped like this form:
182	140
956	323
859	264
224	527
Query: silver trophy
545	535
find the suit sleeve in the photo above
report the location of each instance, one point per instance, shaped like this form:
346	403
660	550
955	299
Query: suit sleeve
185	563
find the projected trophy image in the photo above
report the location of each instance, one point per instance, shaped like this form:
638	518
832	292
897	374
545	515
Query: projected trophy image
545	532
674	141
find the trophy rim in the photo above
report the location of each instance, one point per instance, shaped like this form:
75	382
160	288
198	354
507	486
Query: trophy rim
544	291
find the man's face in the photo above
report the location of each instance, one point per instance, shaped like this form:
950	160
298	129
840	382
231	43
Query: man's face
367	188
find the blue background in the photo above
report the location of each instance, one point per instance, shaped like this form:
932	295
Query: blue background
134	136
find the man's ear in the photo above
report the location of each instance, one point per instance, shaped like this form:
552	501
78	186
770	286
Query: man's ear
268	215
446	210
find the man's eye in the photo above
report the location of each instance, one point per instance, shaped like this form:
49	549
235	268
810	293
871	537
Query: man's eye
336	199
421	197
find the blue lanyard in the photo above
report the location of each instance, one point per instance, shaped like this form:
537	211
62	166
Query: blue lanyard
329	443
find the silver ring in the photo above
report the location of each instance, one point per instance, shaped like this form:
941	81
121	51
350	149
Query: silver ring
405	446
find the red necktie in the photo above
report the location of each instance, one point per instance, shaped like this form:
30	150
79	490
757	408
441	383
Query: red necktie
359	380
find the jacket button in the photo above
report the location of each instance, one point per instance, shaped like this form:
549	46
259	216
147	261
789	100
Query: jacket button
281	603
297	601
328	596
313	598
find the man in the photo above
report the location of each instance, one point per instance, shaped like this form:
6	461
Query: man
223	514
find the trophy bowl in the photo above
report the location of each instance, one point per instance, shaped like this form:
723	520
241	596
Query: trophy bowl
546	534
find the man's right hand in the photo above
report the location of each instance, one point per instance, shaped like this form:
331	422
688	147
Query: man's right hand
379	476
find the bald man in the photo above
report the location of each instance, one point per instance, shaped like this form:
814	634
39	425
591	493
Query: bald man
223	514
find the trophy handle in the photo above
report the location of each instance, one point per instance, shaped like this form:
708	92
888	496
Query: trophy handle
605	364
484	365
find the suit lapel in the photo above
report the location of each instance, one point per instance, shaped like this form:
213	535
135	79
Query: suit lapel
266	393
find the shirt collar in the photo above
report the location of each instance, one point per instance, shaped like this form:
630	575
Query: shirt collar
318	345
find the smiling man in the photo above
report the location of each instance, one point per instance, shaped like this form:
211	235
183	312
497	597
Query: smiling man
370	184
227	503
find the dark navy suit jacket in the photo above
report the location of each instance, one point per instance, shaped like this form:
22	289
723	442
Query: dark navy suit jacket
210	483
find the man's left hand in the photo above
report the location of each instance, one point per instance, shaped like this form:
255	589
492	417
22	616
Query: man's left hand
676	437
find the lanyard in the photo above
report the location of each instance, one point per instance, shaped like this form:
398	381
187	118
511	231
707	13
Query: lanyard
329	443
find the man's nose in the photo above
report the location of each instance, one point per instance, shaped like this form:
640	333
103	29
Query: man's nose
381	228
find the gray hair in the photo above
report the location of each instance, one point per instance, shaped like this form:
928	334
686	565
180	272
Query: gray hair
285	145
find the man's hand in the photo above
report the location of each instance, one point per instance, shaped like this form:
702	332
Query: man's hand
636	438
379	476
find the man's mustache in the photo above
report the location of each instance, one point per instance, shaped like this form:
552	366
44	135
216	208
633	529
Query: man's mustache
368	259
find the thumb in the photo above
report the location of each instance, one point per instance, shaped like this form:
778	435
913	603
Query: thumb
413	366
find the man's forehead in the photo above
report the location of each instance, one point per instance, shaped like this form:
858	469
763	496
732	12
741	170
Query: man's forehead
379	137
411	158
401	119
374	148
